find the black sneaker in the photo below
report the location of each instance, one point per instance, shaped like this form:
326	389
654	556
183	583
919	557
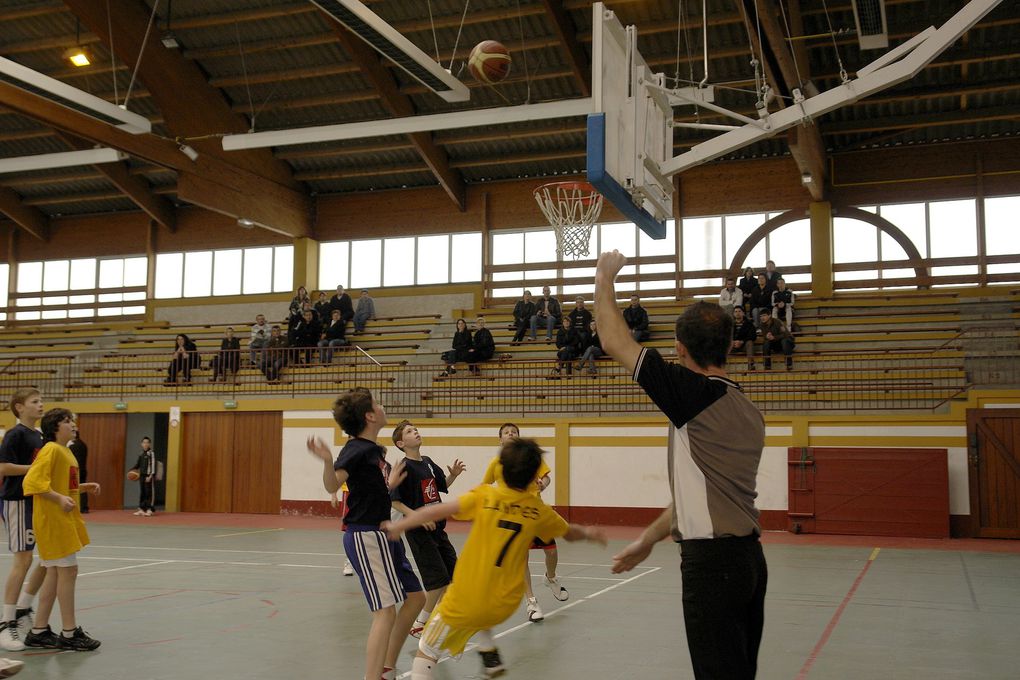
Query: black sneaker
46	639
493	664
79	642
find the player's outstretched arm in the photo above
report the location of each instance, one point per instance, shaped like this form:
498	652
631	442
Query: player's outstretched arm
331	480
617	340
638	551
416	518
577	532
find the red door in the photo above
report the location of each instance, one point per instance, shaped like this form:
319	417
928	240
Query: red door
993	465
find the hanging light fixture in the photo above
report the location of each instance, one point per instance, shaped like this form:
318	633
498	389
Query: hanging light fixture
78	55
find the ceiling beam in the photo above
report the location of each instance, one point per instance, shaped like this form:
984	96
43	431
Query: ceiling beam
564	27
31	219
400	106
158	208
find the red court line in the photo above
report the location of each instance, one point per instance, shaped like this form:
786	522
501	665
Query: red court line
835	618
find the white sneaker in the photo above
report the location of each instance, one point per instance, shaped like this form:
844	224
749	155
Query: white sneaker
534	611
348	569
10	639
9	667
558	591
148	513
25	617
139	513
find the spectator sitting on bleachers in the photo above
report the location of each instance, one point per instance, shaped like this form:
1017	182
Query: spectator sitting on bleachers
637	319
482	346
462	344
771	275
333	335
580	317
523	311
227	359
775	337
782	303
569	345
342	301
184	358
321	307
306	334
761	298
592	350
547	310
747	283
730	296
259	337
296	302
744	335
274	356
365	311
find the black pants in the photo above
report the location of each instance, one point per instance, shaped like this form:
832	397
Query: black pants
83	505
724	582
147	495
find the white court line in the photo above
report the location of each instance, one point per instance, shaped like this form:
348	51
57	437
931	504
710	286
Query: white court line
217	550
245	533
133	566
650	570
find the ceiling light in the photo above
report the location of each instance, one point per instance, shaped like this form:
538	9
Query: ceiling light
77	56
245	223
169	41
46	161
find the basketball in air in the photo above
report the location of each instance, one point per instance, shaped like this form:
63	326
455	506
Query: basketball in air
133	475
489	62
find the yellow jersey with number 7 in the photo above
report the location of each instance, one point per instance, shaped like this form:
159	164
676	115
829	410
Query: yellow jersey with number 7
489	578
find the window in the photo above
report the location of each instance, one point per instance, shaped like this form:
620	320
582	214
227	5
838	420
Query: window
952	232
402	261
366	264
702	248
265	269
55	279
334	265
1002	224
399	264
854	241
467	258
433	259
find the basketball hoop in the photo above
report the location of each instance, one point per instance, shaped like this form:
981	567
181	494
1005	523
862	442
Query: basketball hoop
571	208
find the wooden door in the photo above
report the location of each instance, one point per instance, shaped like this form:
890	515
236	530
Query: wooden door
104	435
993	464
230	462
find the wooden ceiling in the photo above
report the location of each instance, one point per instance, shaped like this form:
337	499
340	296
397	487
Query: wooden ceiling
263	65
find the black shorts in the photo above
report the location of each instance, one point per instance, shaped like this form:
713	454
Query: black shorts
434	555
538	544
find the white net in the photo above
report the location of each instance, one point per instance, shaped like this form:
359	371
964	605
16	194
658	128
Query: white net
572	209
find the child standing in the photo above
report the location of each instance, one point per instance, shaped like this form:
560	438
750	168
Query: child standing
60	531
17	450
489	578
431	547
382	567
146	467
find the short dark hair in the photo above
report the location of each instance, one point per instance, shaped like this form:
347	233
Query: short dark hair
20	397
398	433
506	425
51	420
520	459
706	331
350	408
146	439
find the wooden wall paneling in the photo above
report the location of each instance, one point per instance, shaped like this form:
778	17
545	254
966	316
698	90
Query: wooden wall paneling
104	435
257	457
207	442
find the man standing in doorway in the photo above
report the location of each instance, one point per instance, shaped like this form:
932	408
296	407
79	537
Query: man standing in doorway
716	438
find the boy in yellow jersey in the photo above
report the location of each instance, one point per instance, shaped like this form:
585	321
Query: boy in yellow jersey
489	577
549	550
59	530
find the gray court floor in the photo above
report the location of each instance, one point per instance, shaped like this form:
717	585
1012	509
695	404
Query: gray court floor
173	602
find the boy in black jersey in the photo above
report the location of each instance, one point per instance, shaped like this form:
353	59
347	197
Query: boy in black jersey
382	567
17	451
431	547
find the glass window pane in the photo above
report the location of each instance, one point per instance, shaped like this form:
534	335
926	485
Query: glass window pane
136	271
546	274
738	228
27	316
366	264
540	246
111	273
140	295
80	313
55	274
169	275
790	245
507	248
55	314
29	302
111	297
81	299
620	236
854	241
658	246
5	271
953	228
702	248
333	265
283	269
398	268
910	219
434	259
258	267
134	310
110	311
227	272
197	274
467	257
1002	227
83	274
30	277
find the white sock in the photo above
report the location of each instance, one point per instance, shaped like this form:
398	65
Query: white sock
25	600
10	612
421	669
423	617
486	642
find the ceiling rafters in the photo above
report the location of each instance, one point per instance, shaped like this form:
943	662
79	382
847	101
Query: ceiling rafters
399	105
567	33
26	216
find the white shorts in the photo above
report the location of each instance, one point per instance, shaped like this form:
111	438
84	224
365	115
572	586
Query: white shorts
66	561
18	521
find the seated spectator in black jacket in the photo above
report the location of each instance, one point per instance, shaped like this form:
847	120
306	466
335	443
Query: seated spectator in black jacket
298	301
747	283
274	356
228	358
482	346
523	311
569	345
774	337
547	311
322	308
761	298
184	358
744	335
333	335
771	275
343	302
637	319
462	344
782	303
592	350
306	334
580	316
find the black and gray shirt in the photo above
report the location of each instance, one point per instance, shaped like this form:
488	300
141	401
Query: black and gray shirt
715	443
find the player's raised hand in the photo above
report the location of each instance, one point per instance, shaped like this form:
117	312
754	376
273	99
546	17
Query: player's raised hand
397	475
610	264
457	467
596	535
319	449
631	556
